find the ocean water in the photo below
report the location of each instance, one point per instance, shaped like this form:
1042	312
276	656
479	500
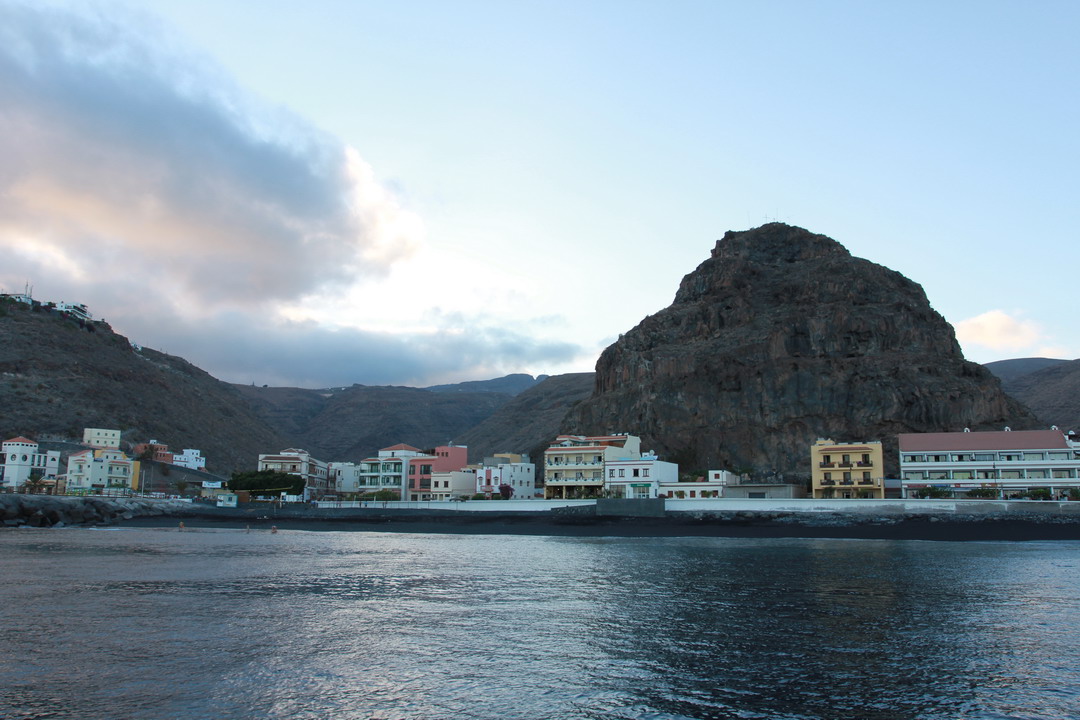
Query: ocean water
156	623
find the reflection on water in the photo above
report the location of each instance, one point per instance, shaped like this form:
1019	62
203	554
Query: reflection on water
147	623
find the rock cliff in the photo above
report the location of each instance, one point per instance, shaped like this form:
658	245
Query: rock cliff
780	337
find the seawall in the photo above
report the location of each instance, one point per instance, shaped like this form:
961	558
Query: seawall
896	519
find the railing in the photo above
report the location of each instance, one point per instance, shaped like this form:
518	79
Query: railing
827	464
864	463
827	482
846	464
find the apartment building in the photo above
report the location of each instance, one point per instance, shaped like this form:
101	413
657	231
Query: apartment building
101	438
453	484
295	461
191	458
847	469
1009	462
640	478
493	474
21	461
575	465
101	471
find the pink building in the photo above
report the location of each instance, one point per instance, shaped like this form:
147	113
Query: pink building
445	458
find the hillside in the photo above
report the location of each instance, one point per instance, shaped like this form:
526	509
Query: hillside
780	337
58	376
529	422
1009	370
1052	393
514	384
350	424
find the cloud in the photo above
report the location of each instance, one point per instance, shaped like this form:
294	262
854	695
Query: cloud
138	178
308	355
120	146
997	330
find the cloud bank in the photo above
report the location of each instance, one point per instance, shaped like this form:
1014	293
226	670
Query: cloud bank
1000	332
137	177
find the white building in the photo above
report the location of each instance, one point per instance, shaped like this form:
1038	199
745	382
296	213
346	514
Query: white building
452	484
390	470
190	458
1006	462
21	461
640	477
295	461
101	472
521	477
574	465
101	438
77	309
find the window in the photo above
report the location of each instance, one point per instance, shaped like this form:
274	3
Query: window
847	476
645	472
611	473
622	473
828	476
637	473
985	457
866	476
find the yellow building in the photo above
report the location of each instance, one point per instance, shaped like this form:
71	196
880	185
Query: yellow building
847	470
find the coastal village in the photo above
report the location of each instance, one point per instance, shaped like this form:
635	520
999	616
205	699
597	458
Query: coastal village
1007	464
1004	464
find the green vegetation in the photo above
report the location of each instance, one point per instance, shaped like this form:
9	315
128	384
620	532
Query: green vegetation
982	492
933	492
381	496
1039	493
266	482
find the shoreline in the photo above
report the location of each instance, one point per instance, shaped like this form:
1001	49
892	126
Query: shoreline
965	529
972	522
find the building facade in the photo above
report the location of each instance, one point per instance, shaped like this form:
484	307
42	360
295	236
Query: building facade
453	484
295	461
519	476
847	470
191	458
640	478
101	438
21	462
575	465
102	471
1002	463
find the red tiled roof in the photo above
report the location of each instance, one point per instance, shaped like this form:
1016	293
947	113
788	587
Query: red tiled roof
21	439
402	446
974	441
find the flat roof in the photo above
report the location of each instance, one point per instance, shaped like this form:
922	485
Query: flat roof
975	441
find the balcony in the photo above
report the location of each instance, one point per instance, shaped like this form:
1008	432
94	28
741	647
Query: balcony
864	463
827	482
867	482
846	464
827	464
847	482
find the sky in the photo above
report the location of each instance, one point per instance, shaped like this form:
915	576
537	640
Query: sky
325	193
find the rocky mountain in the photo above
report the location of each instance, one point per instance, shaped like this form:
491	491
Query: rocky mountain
350	424
1009	370
780	337
59	375
529	422
1052	392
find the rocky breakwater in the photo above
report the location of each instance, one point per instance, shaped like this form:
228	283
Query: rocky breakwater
780	337
49	511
